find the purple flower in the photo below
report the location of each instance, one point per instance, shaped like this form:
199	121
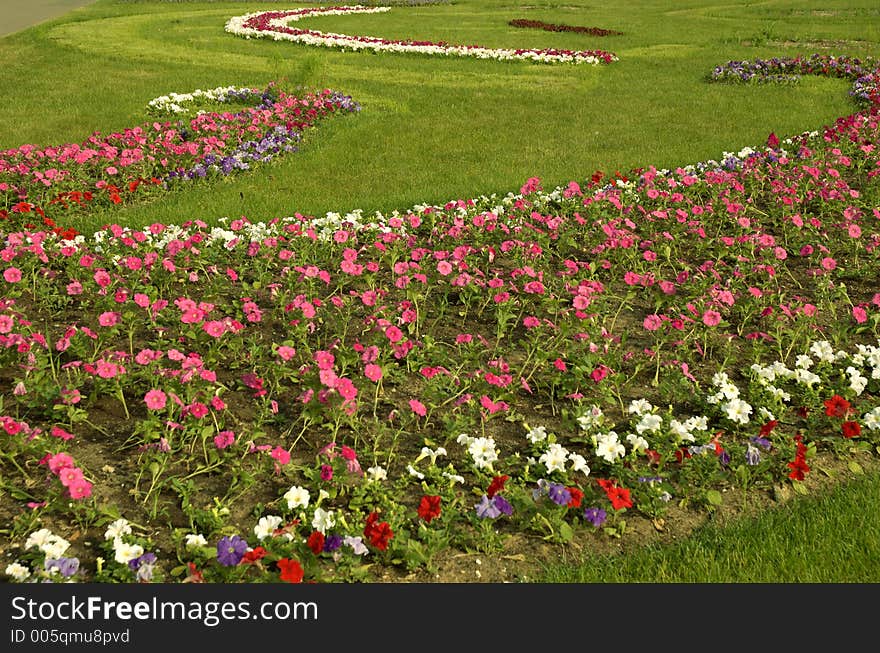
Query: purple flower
559	494
147	558
502	504
230	550
753	455
596	516
487	509
67	567
764	443
332	542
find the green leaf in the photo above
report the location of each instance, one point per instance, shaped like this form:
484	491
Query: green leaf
714	497
800	488
855	468
565	532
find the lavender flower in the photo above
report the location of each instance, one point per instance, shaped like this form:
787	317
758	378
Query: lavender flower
596	516
487	509
753	455
67	567
230	550
502	504
559	494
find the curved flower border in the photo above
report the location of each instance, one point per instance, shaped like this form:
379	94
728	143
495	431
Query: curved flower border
274	24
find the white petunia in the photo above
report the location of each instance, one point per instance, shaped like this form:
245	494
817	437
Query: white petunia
17	571
608	447
639	406
116	529
738	411
554	458
649	423
195	541
376	473
323	520
637	442
537	434
297	497
579	463
125	552
266	526
483	451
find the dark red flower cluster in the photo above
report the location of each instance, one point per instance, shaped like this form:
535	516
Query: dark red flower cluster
618	496
799	466
378	533
429	507
552	27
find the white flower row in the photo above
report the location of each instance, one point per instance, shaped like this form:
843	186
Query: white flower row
277	28
175	102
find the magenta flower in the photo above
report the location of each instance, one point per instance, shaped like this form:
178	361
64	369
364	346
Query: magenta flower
373	372
711	318
108	318
652	322
859	314
418	407
155	399
12	275
224	439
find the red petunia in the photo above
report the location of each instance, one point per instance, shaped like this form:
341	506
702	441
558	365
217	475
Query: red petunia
619	498
497	485
379	534
837	406
768	427
577	496
253	555
291	570
429	507
316	542
851	429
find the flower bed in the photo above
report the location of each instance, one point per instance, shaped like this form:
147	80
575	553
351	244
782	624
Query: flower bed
304	398
275	25
59	182
554	27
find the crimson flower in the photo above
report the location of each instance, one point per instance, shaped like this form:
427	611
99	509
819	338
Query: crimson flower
316	542
429	507
577	495
497	485
837	406
379	534
253	555
291	570
851	429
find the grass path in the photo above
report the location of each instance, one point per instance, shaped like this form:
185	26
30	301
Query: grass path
18	15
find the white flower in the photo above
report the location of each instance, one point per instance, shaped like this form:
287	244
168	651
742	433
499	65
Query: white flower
357	545
778	393
118	528
431	453
414	472
591	419
609	447
806	377
39	538
537	434
729	390
803	361
823	351
720	378
738	411
579	463
637	442
455	478
649	422
483	451
17	571
266	526
464	439
323	520
872	419
297	497
124	552
554	458
697	423
195	541
680	431
765	415
376	473
639	406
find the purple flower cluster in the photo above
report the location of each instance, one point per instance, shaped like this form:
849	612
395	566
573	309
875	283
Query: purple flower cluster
495	507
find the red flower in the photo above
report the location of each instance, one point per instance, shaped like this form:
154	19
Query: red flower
429	508
837	406
497	485
768	427
619	498
291	570
253	555
379	534
577	495
195	576
851	429
798	467
316	542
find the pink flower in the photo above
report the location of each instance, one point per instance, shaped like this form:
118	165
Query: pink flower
80	490
859	314
599	373
492	406
828	263
155	399
197	409
393	334
373	372
324	359
280	455
59	461
286	353
108	319
652	322
711	318
530	322
560	365
58	432
214	328
70	476
12	275
223	439
418	407
444	267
